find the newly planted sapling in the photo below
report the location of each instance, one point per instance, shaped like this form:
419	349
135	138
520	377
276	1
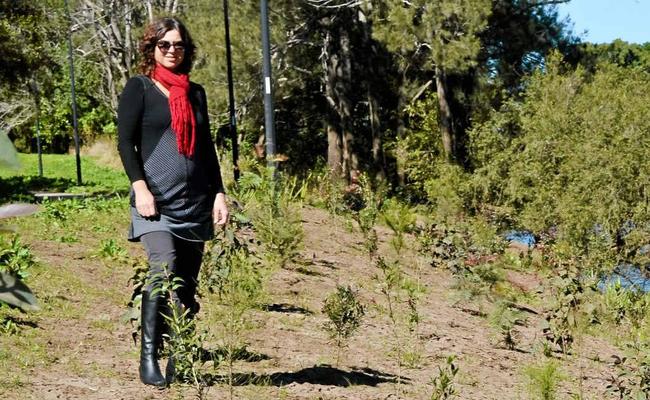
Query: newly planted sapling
237	276
366	217
400	219
344	311
274	210
184	343
543	380
503	319
443	383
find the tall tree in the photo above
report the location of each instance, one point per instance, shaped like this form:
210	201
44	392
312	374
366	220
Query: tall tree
442	36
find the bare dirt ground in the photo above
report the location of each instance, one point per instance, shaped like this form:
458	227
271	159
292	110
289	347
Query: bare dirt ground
78	347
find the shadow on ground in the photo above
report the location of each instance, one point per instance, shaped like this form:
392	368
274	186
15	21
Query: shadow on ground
286	308
317	375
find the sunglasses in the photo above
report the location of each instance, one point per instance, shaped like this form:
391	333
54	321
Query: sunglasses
164	45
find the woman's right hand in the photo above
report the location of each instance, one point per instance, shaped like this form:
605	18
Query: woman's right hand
144	201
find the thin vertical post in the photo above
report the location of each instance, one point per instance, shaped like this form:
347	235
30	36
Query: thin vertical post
269	123
73	93
37	102
231	96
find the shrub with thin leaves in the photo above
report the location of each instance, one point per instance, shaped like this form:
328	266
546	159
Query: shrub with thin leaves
344	312
273	206
543	380
443	383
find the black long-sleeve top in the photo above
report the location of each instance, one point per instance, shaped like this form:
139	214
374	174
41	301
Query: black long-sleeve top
182	187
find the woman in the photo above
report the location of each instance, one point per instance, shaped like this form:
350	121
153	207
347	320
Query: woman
176	188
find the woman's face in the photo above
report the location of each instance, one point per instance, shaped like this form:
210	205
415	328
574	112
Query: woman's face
170	50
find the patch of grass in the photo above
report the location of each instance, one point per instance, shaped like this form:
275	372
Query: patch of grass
60	174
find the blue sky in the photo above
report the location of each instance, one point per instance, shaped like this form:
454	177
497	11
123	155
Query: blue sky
607	20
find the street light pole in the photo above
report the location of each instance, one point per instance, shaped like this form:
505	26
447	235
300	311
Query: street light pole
74	98
269	123
231	95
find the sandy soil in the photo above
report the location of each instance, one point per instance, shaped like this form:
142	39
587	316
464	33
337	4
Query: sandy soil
86	351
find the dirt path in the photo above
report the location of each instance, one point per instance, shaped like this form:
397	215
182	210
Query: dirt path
80	348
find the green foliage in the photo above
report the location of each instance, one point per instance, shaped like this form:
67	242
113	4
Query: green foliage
571	291
401	294
626	304
503	319
345	312
443	384
184	343
629	55
26	30
400	219
15	257
419	152
273	208
571	157
111	249
365	203
543	380
238	277
449	29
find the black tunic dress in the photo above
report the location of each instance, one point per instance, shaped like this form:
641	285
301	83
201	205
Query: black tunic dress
183	188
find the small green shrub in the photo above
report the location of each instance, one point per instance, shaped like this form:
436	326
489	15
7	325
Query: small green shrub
15	257
400	219
112	250
503	319
344	311
443	384
273	207
626	304
543	380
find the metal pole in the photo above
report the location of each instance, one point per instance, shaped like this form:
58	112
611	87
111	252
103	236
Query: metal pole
39	149
269	123
74	98
37	103
231	95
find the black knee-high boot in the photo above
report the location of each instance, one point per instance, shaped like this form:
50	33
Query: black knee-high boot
151	341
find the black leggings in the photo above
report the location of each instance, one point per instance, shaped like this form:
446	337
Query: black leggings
182	258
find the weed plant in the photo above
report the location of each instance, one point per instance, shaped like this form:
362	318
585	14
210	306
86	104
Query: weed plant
326	190
443	383
626	305
344	311
16	258
571	290
632	381
110	249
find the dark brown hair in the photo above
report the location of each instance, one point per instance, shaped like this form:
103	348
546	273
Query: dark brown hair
153	33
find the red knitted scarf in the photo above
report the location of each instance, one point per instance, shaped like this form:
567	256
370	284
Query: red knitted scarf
183	122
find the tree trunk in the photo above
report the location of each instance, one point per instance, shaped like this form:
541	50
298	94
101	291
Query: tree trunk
378	158
446	117
334	153
350	157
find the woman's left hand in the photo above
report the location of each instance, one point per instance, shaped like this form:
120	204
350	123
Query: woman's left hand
220	210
